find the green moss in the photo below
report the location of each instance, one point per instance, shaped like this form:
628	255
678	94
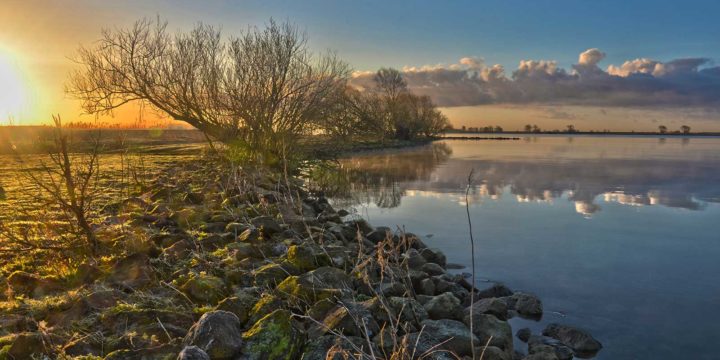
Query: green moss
273	338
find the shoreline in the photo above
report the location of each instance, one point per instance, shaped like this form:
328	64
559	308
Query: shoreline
266	268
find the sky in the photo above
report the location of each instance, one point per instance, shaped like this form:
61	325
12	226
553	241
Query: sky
618	65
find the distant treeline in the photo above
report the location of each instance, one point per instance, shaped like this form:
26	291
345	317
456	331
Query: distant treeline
571	129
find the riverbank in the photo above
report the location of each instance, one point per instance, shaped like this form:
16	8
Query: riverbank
220	264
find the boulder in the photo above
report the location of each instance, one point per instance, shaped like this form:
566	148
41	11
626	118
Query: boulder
267	303
453	335
218	333
526	304
241	304
132	272
493	353
497	290
523	334
271	274
379	234
434	256
315	285
193	353
414	259
544	344
274	337
444	306
492	306
426	287
579	340
204	289
318	347
432	269
307	257
268	225
351	318
408	309
486	326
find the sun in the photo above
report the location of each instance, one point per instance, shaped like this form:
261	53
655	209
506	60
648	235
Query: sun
12	88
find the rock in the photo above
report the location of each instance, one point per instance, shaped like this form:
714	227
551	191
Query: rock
204	289
579	340
132	272
426	287
434	256
497	290
240	305
23	283
342	213
273	337
453	335
213	227
318	348
523	334
492	306
408	309
432	269
244	250
424	346
271	274
267	303
193	353
351	318
306	257
266	224
486	326
218	333
379	234
493	353
315	285
391	288
236	228
444	306
28	346
526	304
542	356
414	259
545	344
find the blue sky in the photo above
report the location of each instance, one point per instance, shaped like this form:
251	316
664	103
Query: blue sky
397	33
40	36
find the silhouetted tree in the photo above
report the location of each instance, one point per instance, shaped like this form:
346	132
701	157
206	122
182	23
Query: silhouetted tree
528	128
571	128
685	129
662	129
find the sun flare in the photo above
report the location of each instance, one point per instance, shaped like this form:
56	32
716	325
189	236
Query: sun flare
12	88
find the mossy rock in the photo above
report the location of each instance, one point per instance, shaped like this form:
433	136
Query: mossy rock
265	305
270	275
204	289
306	257
274	337
321	283
241	304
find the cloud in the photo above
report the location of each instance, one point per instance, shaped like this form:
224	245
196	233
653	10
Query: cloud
639	82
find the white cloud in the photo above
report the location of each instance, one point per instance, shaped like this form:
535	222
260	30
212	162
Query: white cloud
639	82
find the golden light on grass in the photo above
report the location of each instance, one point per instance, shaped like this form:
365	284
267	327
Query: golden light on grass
13	87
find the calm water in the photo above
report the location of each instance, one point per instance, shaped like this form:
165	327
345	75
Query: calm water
617	235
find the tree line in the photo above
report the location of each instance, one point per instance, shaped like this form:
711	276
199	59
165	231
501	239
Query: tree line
262	90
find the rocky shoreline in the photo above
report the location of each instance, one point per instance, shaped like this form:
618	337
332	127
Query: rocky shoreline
211	264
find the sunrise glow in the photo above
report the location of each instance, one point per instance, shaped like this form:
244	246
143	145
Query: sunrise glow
13	89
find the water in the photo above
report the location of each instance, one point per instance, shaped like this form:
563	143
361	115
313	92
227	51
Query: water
617	235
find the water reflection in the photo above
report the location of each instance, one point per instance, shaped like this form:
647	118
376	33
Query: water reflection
586	172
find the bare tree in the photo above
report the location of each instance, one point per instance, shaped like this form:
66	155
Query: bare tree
63	199
263	87
391	82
